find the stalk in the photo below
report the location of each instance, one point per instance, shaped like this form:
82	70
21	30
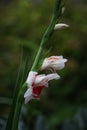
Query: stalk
45	38
18	106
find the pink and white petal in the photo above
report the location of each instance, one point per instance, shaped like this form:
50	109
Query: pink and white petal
54	58
59	61
28	93
39	79
45	64
52	76
31	78
61	66
58	65
43	82
58	58
28	98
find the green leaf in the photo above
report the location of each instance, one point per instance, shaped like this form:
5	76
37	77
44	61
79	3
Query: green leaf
19	84
11	115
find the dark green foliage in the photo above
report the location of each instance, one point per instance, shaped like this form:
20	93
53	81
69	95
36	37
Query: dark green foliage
41	123
79	122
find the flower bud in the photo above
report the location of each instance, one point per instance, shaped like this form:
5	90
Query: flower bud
54	63
60	26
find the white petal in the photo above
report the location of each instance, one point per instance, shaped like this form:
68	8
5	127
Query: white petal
42	81
28	93
45	64
60	25
27	99
31	77
59	64
39	78
52	76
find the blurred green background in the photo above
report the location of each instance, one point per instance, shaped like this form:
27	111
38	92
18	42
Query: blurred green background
22	25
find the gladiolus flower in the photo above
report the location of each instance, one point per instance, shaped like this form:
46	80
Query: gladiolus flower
36	83
54	63
60	26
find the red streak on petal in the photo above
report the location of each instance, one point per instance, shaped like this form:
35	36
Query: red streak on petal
37	90
51	58
32	84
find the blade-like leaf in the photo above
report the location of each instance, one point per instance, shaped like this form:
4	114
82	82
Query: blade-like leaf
10	118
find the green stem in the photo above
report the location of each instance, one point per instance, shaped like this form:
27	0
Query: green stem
19	102
17	114
56	14
45	38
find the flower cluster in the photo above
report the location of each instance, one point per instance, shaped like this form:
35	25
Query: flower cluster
36	82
